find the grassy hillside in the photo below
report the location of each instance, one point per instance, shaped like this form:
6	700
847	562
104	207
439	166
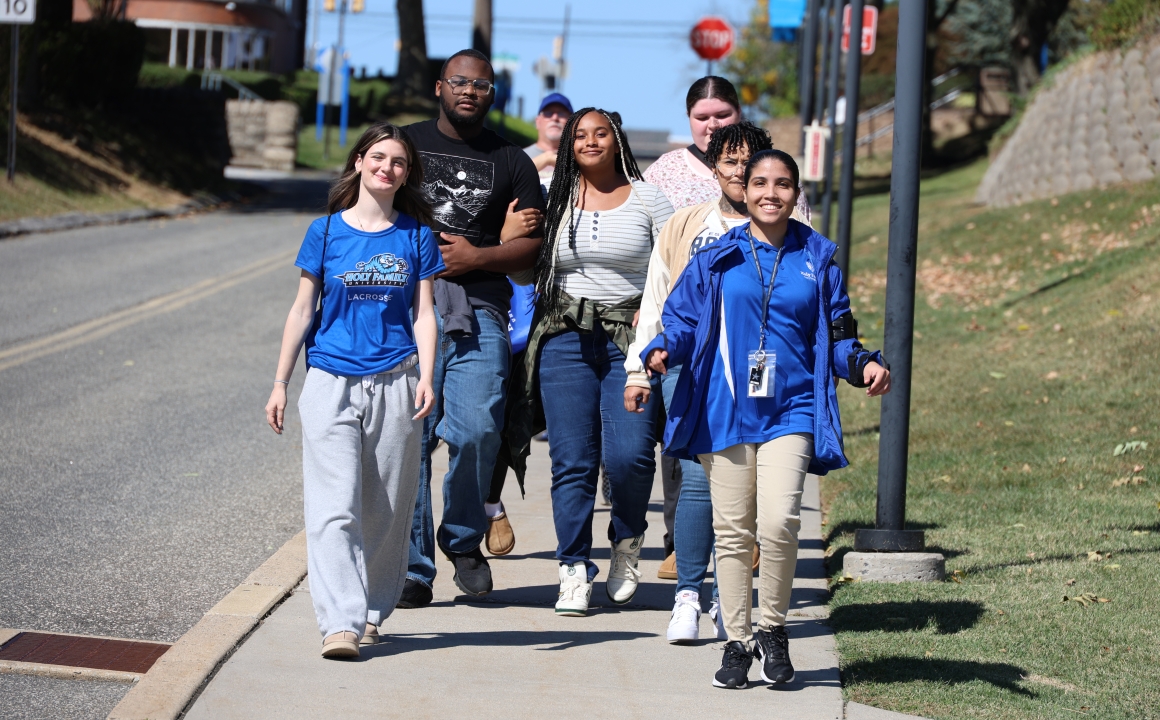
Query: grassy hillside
1037	335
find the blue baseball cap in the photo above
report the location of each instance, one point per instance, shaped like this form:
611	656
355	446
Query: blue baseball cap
554	99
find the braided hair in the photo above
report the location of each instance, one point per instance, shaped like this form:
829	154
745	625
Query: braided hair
563	196
732	137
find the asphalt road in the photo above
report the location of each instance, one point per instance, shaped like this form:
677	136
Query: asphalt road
138	480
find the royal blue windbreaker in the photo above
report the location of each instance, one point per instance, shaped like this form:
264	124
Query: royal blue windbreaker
692	326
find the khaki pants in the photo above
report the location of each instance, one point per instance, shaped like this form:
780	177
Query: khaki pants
757	488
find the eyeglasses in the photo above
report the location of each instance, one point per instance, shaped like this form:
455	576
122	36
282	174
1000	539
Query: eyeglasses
459	85
555	114
730	166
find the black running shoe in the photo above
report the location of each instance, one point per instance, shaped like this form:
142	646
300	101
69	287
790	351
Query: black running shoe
734	672
472	573
772	648
415	595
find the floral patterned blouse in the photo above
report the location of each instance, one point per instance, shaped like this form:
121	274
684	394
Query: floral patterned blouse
686	181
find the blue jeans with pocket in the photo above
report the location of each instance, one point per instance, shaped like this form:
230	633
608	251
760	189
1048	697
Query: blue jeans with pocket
582	389
470	385
693	526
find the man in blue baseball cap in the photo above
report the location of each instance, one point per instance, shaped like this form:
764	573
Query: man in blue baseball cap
555	109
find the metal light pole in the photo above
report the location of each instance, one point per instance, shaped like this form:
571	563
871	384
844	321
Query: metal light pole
481	27
850	136
889	533
820	84
832	109
809	62
335	64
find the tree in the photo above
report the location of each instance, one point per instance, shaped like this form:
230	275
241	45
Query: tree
411	80
764	71
1032	22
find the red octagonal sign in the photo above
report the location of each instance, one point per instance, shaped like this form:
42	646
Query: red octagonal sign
712	38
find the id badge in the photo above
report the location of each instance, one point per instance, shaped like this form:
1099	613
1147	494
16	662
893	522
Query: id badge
761	367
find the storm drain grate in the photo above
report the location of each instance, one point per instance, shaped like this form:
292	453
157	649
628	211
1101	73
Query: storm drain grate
84	652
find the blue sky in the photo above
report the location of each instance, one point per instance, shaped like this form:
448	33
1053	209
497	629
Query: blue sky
632	57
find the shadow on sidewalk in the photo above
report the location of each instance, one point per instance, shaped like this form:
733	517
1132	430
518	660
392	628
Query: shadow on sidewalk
393	644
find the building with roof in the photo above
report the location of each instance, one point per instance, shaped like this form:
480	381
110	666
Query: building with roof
218	34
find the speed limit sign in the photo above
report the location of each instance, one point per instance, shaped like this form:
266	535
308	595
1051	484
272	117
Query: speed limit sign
17	12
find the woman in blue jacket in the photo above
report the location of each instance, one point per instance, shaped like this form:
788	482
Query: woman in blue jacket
761	322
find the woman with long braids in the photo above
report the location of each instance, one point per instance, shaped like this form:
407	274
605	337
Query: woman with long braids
761	322
599	229
370	262
690	230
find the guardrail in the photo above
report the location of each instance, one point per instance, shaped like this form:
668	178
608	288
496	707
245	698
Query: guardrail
213	81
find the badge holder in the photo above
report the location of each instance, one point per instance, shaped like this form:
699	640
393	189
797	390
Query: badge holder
761	366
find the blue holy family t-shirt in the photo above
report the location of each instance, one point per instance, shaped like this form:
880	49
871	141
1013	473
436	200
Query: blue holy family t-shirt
731	417
369	281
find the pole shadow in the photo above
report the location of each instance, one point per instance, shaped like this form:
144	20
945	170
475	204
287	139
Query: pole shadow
947	617
901	669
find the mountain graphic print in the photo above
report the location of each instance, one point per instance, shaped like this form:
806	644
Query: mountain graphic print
458	189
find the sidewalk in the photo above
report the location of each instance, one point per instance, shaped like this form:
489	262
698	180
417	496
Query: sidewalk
509	656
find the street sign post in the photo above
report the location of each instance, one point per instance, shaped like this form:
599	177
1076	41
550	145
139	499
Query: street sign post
711	38
15	13
869	29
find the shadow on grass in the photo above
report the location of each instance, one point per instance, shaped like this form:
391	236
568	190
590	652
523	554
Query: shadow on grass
947	617
900	669
849	526
1076	557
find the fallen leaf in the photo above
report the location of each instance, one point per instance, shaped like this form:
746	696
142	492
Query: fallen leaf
1131	480
997	375
1026	467
1051	375
1019	525
1070	582
1000	612
1023	327
1111	566
1141	532
1138	468
1031	555
1009	423
1095	556
928	653
1062	460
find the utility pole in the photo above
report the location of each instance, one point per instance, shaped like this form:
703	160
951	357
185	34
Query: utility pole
337	62
850	137
832	111
563	59
481	27
889	533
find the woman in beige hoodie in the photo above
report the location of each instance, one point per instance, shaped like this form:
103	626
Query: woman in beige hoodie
689	230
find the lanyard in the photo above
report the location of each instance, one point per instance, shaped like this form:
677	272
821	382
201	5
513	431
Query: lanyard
767	292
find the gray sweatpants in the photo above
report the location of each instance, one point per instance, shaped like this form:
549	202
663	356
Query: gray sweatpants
360	467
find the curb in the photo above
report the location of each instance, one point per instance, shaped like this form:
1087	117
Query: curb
70	221
179	675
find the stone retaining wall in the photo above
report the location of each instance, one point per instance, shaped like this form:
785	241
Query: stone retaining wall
263	134
1096	123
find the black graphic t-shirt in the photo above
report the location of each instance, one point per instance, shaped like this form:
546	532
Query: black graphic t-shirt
470	185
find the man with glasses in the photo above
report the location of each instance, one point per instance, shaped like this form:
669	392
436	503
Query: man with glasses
555	109
470	175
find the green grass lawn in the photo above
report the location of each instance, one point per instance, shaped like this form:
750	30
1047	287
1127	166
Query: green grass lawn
1037	338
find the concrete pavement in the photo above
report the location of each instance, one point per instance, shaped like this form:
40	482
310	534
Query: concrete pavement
508	655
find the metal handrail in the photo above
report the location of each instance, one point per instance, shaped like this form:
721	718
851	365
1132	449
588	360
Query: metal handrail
212	81
867	139
889	104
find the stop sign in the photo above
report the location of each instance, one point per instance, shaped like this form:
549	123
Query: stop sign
712	38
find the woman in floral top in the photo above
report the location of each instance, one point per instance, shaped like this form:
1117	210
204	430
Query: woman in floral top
684	175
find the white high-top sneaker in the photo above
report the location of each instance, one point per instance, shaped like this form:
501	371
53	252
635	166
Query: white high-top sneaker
623	576
575	590
685	622
718	619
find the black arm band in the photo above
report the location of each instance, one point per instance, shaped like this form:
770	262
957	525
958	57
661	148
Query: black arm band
857	366
844	328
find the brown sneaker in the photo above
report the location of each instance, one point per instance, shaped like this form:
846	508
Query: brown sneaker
500	538
340	645
668	569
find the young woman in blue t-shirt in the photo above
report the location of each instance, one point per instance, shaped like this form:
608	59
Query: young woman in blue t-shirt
761	323
370	261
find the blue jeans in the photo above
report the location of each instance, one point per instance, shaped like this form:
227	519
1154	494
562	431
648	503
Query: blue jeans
470	385
693	526
582	388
